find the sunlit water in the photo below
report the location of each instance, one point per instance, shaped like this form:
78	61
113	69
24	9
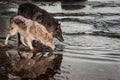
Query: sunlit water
85	57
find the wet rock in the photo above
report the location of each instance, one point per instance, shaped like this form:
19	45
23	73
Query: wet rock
35	68
3	77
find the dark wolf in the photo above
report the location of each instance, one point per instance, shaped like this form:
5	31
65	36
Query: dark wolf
35	13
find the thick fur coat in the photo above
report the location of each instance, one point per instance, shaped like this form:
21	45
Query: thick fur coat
30	30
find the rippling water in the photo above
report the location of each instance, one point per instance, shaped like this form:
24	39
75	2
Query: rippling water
94	53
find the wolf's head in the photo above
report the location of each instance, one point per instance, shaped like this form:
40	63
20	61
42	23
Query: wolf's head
58	33
49	40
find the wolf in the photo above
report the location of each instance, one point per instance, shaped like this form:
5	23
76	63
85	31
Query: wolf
33	12
30	30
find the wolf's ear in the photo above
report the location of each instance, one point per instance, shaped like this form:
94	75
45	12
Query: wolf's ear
18	21
58	26
11	20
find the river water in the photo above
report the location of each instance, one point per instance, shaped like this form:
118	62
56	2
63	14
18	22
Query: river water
91	50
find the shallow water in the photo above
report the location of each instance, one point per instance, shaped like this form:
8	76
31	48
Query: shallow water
85	56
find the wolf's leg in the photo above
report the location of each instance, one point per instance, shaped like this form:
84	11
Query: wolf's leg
23	41
29	43
6	40
11	33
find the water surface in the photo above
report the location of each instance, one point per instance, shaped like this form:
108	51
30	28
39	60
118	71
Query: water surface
86	56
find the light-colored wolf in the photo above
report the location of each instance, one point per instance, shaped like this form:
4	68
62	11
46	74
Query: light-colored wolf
30	30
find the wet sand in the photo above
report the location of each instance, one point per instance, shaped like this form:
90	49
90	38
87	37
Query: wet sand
91	50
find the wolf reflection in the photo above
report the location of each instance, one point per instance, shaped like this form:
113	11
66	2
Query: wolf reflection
34	66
